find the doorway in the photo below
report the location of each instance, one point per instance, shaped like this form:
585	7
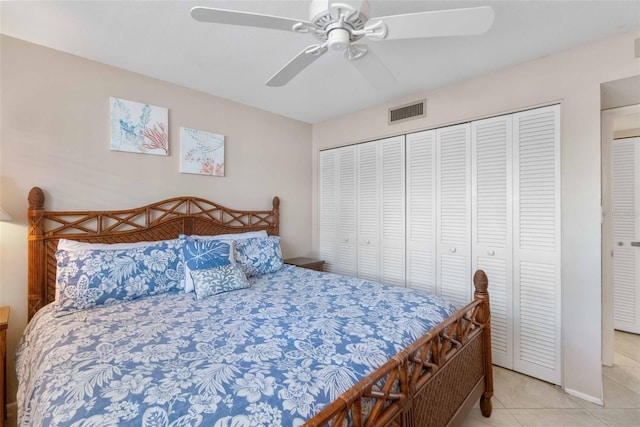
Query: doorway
620	121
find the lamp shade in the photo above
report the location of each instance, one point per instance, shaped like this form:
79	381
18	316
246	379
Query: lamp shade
4	216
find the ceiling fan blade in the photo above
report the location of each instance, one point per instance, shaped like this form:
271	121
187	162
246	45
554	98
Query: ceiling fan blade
438	23
296	65
372	68
234	17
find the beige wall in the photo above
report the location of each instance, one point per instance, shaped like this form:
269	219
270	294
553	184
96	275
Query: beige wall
55	134
572	78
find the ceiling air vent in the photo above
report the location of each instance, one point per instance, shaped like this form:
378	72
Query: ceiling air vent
411	111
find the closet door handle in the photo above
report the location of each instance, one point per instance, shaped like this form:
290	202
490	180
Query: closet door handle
346	239
368	242
636	244
452	250
620	243
491	252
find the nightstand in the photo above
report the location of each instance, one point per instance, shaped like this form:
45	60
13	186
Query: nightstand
4	324
310	263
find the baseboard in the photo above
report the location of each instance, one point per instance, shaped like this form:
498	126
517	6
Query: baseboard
583	396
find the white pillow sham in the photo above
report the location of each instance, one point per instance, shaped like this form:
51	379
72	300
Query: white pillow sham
72	245
233	236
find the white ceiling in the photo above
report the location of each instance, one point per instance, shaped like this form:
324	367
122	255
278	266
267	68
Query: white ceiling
161	40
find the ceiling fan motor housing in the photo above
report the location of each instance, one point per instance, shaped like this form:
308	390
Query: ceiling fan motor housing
336	21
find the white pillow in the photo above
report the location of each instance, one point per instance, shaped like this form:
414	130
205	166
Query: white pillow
236	236
72	245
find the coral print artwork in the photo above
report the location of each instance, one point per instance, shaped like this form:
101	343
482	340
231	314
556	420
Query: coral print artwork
139	128
201	152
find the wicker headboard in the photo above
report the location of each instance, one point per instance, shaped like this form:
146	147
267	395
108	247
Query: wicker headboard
158	221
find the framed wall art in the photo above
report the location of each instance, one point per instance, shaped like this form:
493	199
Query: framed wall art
201	152
139	128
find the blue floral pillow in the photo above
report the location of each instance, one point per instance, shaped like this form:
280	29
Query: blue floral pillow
259	255
204	254
91	277
216	280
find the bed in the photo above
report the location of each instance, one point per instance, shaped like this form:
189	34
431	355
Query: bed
293	347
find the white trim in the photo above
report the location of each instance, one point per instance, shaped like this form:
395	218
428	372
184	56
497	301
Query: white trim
626	133
585	397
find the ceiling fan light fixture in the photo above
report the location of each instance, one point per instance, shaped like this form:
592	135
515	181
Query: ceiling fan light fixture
355	52
339	39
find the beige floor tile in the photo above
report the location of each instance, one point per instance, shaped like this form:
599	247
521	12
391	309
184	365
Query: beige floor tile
618	417
498	418
622	360
495	403
616	396
520	395
515	390
555	418
626	375
627	345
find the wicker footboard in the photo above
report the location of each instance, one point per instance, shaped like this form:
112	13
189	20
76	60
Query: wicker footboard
433	382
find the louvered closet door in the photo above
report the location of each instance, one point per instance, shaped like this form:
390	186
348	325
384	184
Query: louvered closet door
421	211
492	249
626	234
537	243
347	233
368	211
454	213
329	209
392	193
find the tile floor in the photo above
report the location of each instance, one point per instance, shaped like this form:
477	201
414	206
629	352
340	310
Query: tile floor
523	401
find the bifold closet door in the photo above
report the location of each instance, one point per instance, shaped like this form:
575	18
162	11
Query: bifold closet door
338	210
380	189
347	233
392	212
453	194
492	225
537	243
421	211
626	234
368	184
329	209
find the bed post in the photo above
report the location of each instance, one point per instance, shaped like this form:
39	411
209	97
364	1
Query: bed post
276	216
36	273
480	282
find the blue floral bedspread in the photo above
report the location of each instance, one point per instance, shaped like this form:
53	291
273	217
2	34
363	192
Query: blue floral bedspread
274	354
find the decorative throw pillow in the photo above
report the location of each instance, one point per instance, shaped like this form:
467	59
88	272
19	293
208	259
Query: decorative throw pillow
87	278
259	255
204	254
216	280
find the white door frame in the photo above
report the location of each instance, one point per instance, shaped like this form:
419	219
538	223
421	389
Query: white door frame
607	137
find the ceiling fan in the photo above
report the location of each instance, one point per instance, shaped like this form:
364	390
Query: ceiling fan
339	24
